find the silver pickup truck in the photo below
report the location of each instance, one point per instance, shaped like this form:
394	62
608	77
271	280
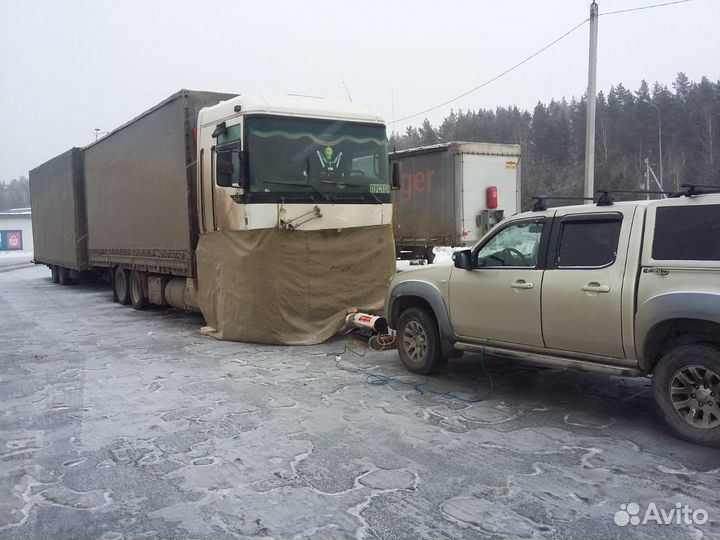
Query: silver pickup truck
628	288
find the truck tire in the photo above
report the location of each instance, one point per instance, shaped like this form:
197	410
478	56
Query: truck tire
137	296
430	255
121	286
418	342
54	273
686	388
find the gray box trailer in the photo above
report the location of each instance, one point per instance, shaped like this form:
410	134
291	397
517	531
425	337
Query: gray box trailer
445	194
140	188
57	198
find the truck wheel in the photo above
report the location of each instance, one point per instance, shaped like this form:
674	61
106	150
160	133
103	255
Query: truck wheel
137	296
686	388
418	340
54	273
121	285
430	255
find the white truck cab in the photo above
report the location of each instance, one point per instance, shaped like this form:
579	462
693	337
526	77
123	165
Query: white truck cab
291	162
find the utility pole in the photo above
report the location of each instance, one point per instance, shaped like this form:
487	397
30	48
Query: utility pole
591	100
659	142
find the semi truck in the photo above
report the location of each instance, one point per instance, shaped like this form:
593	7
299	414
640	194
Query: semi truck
270	215
452	193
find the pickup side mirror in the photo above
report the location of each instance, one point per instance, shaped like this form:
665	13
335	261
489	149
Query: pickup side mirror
463	259
395	174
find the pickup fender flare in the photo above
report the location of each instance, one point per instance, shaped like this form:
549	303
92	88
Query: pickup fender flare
669	306
432	295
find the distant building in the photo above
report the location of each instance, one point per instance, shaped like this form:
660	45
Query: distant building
16	230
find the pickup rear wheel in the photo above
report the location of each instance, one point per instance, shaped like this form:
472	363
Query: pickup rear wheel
686	388
122	287
418	341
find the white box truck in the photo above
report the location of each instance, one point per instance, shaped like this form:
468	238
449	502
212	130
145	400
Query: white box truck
452	193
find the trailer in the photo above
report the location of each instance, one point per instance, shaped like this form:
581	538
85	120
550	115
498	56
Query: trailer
141	189
452	193
57	194
246	208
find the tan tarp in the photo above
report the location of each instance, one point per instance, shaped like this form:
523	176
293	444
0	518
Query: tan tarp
291	287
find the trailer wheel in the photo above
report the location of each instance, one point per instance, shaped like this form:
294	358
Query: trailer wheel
54	273
121	286
430	255
64	276
137	296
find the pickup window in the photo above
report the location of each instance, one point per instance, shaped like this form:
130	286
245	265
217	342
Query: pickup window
687	233
588	243
516	245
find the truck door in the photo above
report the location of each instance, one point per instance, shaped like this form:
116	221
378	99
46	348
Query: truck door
582	287
499	299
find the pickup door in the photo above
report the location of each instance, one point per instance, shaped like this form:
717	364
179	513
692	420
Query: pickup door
582	286
499	299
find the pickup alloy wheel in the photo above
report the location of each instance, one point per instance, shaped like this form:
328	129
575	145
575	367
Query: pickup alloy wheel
686	387
419	341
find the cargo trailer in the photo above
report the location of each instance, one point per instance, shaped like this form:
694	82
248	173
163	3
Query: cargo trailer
57	194
452	193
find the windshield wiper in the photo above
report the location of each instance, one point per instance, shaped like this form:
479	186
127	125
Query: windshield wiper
297	184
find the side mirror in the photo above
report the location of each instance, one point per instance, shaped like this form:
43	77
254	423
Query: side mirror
231	165
463	259
395	175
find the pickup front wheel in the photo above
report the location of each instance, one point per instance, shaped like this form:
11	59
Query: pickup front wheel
686	388
418	341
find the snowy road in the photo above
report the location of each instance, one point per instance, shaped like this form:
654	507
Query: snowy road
124	424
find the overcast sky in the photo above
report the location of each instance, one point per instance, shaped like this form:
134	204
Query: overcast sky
67	67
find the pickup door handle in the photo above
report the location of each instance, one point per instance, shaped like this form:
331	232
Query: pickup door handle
521	284
594	286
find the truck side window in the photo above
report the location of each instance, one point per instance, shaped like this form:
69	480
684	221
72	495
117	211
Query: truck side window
516	245
687	233
588	243
227	165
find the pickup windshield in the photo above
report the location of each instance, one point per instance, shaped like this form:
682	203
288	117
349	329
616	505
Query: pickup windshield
325	159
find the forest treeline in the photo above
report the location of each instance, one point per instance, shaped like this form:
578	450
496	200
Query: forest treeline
552	137
15	194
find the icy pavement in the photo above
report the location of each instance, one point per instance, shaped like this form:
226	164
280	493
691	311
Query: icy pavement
124	424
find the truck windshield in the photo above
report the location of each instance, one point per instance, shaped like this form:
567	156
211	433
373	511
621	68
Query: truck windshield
333	160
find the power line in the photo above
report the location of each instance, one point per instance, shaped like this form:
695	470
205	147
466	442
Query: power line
533	55
645	7
496	77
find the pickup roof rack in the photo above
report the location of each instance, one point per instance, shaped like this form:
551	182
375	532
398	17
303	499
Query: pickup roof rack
695	189
606	195
541	201
540	205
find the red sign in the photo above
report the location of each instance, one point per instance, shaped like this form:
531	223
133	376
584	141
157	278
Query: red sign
14	240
